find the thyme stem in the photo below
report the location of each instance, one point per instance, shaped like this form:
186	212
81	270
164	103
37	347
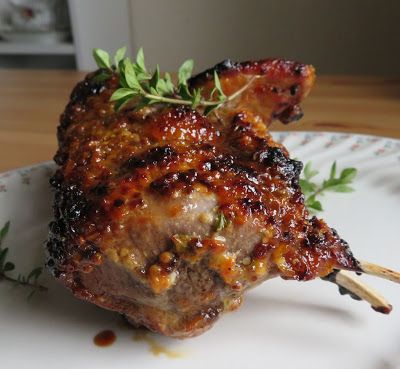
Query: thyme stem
170	100
135	81
38	287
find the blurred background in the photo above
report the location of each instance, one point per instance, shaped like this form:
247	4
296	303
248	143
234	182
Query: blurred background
356	37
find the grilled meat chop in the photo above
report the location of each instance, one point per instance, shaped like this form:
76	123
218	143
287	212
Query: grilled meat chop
167	216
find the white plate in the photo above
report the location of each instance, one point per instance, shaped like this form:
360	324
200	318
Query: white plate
280	325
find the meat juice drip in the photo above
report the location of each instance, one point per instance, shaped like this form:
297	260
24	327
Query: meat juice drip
155	348
104	338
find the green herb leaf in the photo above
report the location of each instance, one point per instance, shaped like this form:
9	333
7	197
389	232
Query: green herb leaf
153	91
131	79
34	274
309	172
218	86
140	60
121	68
332	174
183	90
102	76
347	175
121	103
196	98
119	56
169	84
307	186
315	205
155	78
185	71
221	222
8	266
4	231
121	93
333	184
3	257
341	187
140	68
141	76
162	88
102	58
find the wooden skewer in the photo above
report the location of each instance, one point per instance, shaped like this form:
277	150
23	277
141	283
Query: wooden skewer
356	287
379	271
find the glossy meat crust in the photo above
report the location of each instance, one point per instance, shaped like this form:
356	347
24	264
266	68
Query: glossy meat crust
141	199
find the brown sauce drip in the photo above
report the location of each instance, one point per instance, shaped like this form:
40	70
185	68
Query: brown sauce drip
104	338
154	347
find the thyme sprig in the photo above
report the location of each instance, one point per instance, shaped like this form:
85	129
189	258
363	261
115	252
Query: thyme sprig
31	280
334	183
147	88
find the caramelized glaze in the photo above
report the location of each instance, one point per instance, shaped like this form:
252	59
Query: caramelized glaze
132	184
